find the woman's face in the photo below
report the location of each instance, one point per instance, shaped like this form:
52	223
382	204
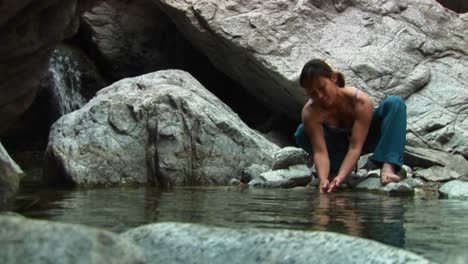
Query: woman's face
321	90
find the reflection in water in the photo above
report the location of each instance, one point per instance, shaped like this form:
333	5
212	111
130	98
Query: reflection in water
424	227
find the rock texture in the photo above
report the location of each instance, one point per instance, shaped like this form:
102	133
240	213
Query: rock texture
162	128
29	30
412	48
33	241
130	38
188	243
455	190
10	176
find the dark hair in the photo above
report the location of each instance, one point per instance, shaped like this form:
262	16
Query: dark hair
315	68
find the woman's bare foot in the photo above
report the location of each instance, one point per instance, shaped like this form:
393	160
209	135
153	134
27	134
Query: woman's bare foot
387	174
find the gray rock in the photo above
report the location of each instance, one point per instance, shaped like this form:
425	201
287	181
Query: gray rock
234	182
252	172
27	42
426	158
133	37
10	176
355	178
436	173
293	176
288	156
414	49
455	190
160	128
34	241
189	243
414	183
374	184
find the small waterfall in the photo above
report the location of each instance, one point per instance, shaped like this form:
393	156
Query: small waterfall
65	82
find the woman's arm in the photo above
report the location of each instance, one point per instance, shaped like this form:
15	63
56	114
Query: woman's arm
314	130
363	118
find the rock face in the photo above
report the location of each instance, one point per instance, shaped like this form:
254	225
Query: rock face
162	128
188	243
411	48
32	241
455	190
10	175
29	31
130	38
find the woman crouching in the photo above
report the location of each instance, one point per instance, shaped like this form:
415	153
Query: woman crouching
340	124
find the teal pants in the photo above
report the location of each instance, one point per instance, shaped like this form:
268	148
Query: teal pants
386	137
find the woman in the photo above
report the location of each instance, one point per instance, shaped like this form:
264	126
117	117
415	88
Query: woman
340	124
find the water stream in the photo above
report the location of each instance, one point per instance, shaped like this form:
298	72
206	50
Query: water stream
436	229
65	82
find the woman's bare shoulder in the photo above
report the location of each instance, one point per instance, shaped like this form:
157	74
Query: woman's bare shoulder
310	112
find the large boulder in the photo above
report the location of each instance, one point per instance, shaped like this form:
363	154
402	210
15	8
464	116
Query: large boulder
10	176
29	30
162	128
189	243
34	241
412	48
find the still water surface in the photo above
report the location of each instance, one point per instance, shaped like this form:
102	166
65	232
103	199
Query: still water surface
436	229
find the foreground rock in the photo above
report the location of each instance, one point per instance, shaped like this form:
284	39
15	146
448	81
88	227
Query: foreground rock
293	176
188	243
455	190
27	42
10	176
414	48
33	241
162	128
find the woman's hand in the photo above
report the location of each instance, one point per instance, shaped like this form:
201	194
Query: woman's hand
324	185
335	184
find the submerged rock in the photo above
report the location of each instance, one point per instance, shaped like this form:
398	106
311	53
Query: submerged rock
189	243
161	128
35	241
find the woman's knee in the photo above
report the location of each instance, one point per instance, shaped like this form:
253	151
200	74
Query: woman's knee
394	101
301	139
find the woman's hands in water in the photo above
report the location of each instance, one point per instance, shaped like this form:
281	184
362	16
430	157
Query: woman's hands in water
327	187
324	185
335	184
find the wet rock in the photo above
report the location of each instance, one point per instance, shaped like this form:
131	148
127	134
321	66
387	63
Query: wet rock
455	190
374	184
252	172
189	243
234	182
10	176
72	79
29	31
288	156
414	183
274	39
437	174
34	241
293	176
161	128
